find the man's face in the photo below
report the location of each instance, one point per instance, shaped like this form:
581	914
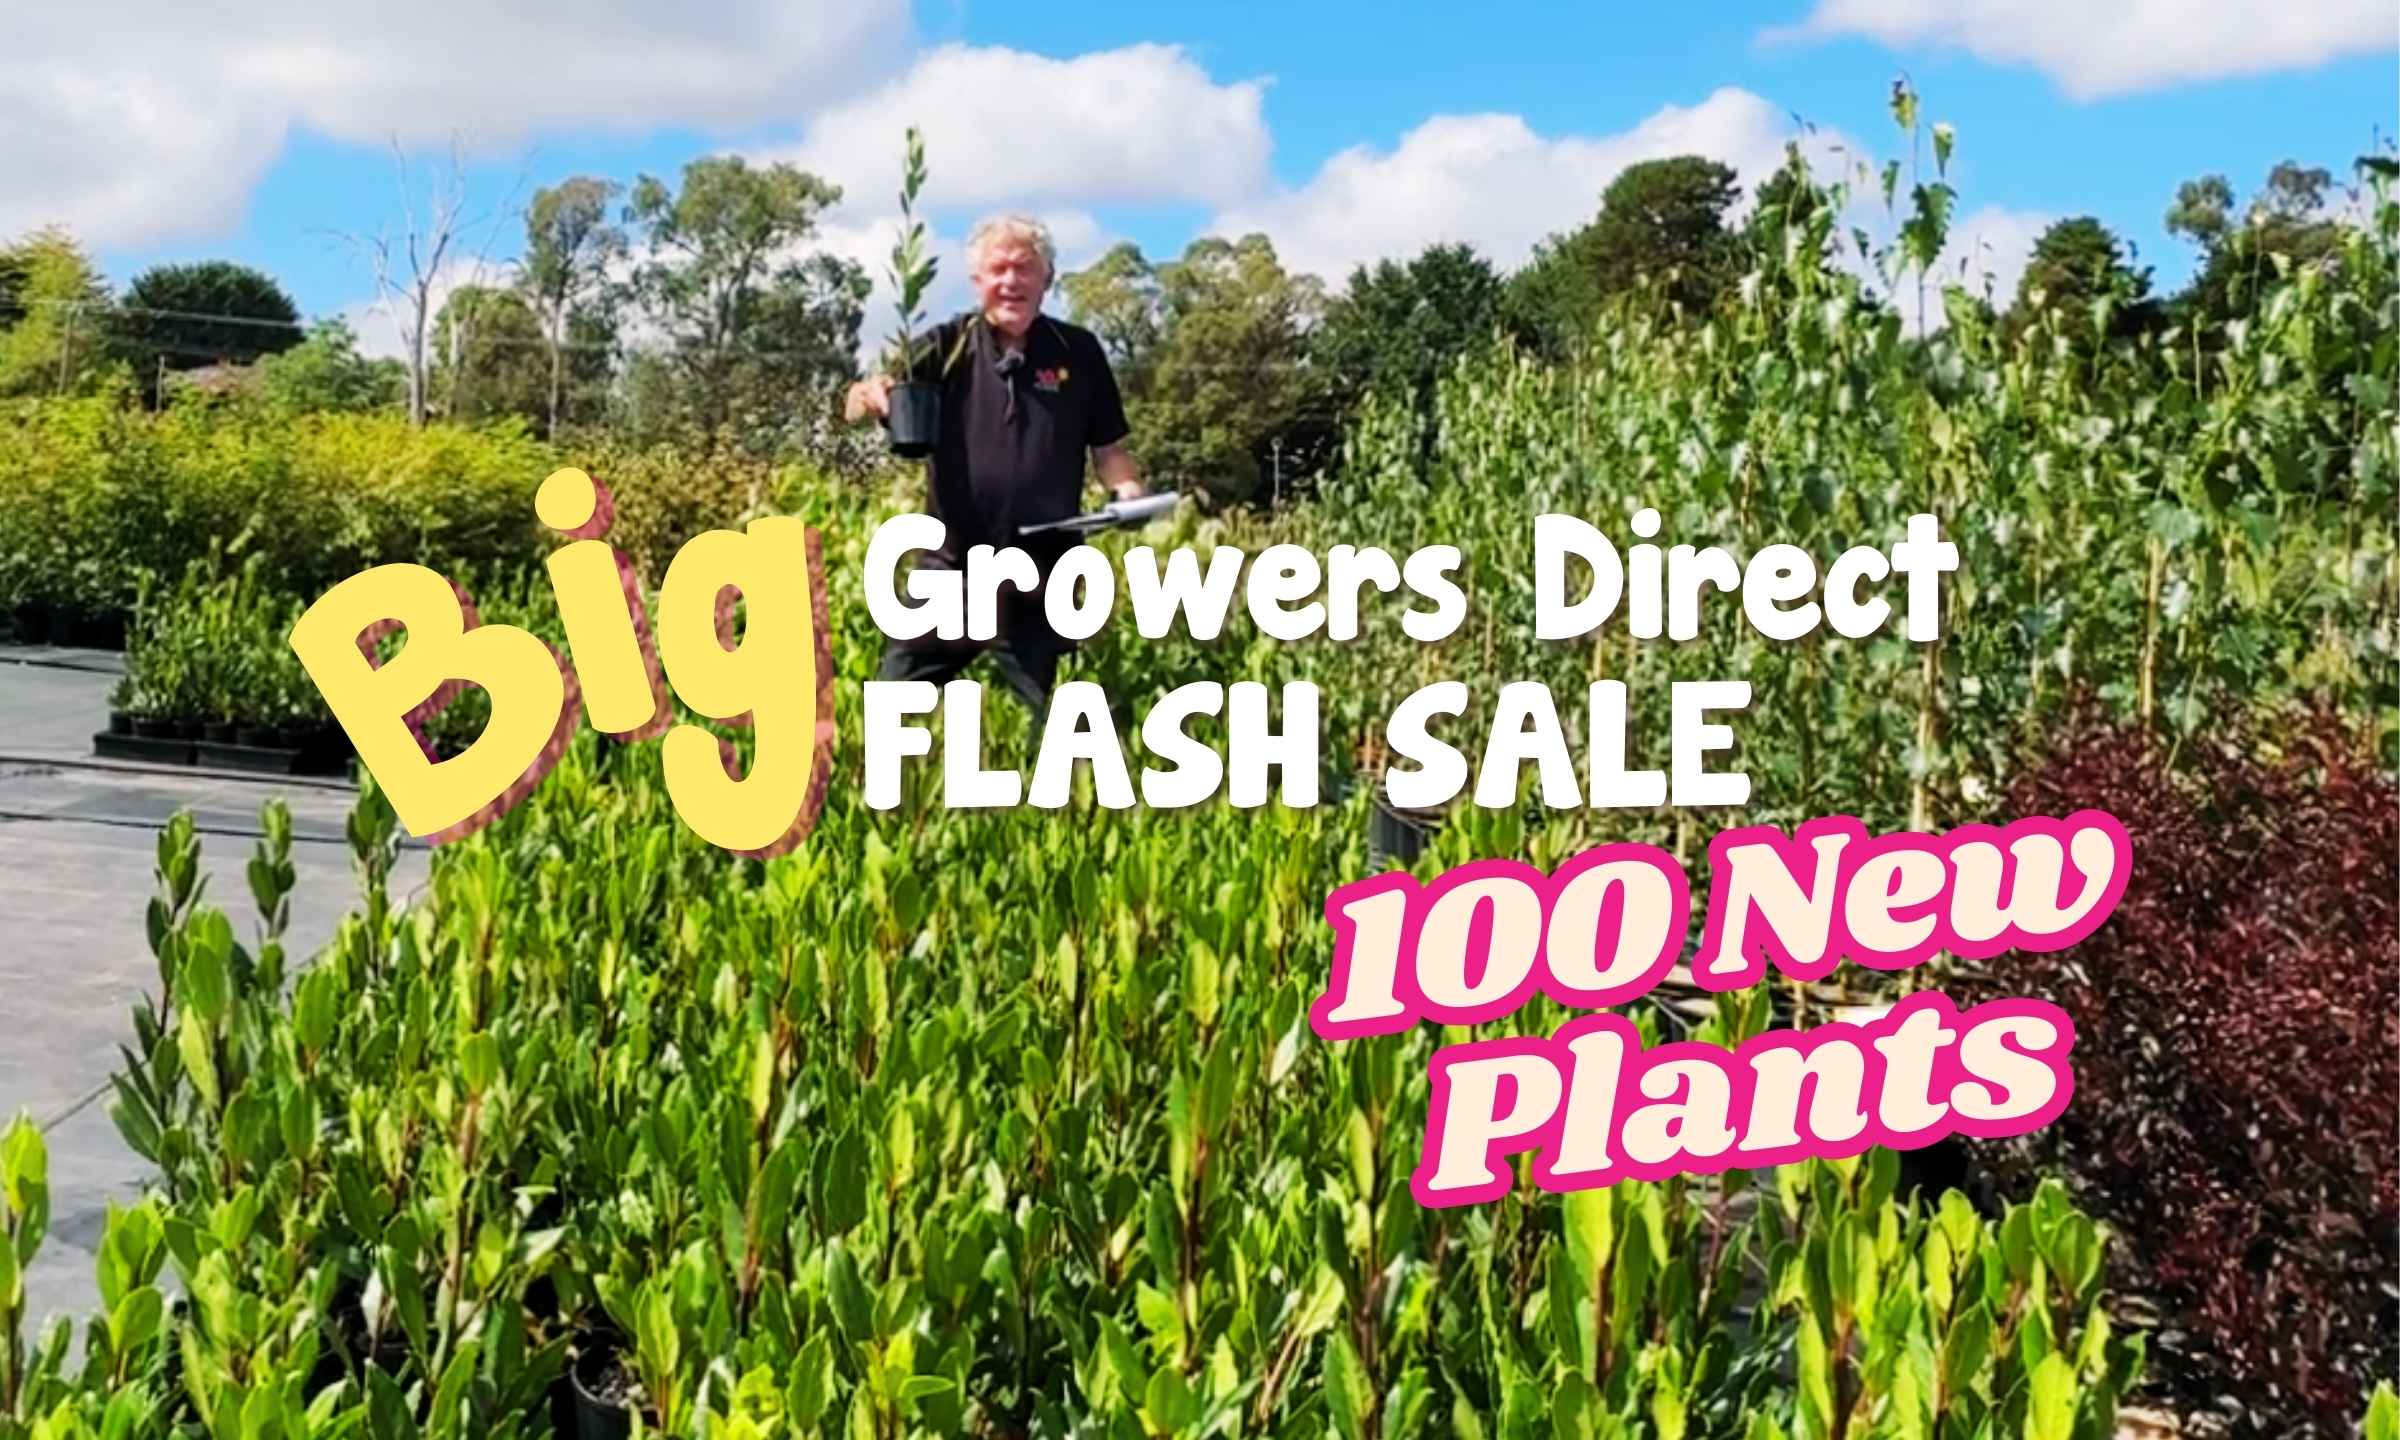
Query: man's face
1010	280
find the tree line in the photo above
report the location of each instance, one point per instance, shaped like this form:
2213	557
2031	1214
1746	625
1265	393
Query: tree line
704	309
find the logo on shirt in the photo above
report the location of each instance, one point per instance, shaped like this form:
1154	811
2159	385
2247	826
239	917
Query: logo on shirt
1050	382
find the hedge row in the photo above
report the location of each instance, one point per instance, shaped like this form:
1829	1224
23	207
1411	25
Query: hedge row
96	496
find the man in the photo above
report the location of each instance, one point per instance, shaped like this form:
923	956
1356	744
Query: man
1024	398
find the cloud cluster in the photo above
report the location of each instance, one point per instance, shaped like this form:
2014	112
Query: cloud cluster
1144	124
1492	182
2094	51
158	123
1141	124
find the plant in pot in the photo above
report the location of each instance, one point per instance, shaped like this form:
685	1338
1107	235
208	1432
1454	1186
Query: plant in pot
148	702
159	674
258	703
305	718
120	706
186	704
216	662
915	406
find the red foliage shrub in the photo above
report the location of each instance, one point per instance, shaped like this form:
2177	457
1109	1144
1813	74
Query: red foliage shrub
2237	1055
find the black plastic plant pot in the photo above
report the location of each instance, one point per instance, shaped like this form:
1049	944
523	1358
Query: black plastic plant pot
217	732
94	630
187	729
154	727
915	419
120	722
257	737
1397	836
605	1394
31	619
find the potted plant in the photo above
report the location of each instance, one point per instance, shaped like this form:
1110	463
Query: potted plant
184	669
1397	835
254	727
120	707
608	1390
148	704
914	413
31	620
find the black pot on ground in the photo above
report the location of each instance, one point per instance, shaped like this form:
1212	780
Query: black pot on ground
1397	836
154	727
257	737
606	1392
916	418
217	732
329	747
31	619
120	722
187	729
93	630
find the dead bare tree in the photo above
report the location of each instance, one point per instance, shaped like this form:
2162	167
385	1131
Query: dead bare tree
409	267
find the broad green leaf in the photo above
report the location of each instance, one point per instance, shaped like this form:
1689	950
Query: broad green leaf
1965	1349
853	1309
2383	1414
1347	1393
1591	1225
1576	1410
812	1381
2050	1402
1169	1401
1816	1383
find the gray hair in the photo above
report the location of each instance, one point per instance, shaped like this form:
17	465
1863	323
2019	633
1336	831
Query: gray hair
1024	229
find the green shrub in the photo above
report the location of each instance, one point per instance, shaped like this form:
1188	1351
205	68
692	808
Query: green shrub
95	495
899	1135
1009	1122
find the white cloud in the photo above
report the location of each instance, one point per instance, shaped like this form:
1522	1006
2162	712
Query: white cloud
1491	181
2093	51
1005	128
159	122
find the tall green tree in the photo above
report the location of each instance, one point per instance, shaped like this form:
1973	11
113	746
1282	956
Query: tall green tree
2243	258
209	312
490	356
1223	398
1660	230
325	373
1117	299
2203	210
752	323
569	246
1397	326
58	338
2075	264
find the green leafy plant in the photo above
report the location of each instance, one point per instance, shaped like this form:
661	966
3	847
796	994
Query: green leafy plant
912	266
961	1122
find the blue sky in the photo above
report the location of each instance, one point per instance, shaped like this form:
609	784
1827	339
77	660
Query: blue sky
1343	130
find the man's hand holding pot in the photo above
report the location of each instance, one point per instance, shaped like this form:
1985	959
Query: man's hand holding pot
871	396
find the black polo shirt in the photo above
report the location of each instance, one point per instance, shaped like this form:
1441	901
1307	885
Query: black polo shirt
1014	443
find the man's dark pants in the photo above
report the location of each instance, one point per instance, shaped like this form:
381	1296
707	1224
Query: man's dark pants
1028	665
